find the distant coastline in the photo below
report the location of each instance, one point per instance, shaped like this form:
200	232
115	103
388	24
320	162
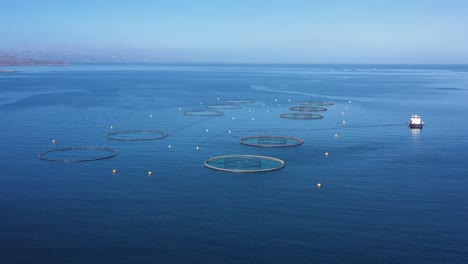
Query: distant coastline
6	71
16	61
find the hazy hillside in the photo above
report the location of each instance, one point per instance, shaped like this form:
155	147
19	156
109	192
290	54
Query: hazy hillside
10	60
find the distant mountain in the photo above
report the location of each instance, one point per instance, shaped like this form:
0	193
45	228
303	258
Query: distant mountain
10	60
58	55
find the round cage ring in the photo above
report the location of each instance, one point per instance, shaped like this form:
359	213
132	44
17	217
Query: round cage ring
137	135
46	154
239	101
244	163
224	106
316	103
203	113
301	116
308	108
271	141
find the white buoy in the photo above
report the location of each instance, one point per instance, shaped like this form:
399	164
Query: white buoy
326	153
53	141
253	118
180	108
229	131
349	101
150	173
151	116
342	113
114	171
289	100
206	130
276	100
319	185
198	148
111	126
169	146
344	122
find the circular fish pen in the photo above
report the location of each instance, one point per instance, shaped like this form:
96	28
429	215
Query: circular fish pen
301	116
203	113
316	103
224	106
78	154
308	108
244	163
271	141
239	101
137	135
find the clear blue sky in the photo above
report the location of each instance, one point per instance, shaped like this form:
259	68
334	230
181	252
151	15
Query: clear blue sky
303	31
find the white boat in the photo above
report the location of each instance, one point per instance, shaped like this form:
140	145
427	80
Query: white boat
416	122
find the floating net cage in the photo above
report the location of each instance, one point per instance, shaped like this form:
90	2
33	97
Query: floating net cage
239	101
78	154
301	116
271	141
137	135
316	103
244	163
203	113
225	106
308	108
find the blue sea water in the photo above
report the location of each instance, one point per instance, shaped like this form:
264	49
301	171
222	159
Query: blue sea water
388	194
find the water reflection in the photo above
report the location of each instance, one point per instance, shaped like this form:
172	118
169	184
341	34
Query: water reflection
415	132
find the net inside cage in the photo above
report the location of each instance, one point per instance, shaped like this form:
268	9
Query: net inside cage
272	141
242	163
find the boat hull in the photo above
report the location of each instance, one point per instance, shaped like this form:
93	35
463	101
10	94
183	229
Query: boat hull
418	126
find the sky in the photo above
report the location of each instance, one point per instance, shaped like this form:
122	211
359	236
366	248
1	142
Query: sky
241	31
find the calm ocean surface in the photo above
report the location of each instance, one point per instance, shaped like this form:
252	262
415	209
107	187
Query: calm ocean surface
388	194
